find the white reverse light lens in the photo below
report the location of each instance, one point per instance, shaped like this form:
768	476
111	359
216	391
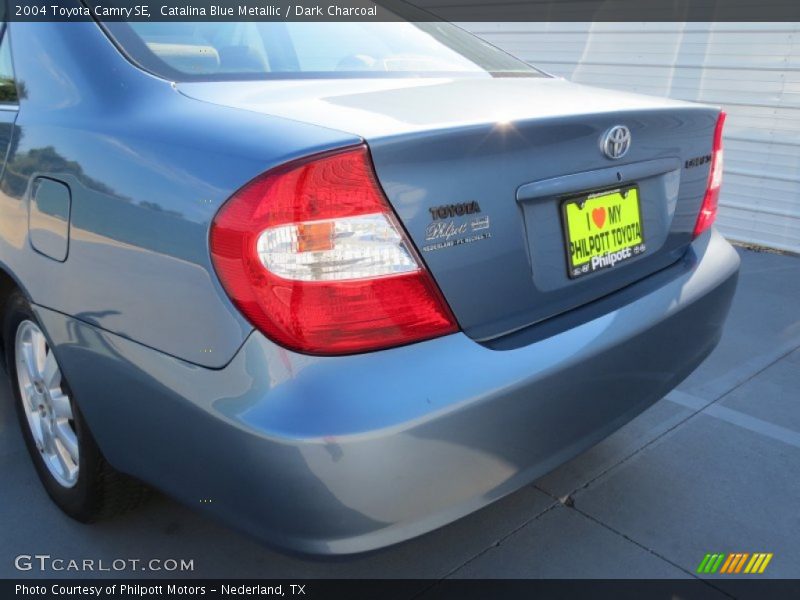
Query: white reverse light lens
360	247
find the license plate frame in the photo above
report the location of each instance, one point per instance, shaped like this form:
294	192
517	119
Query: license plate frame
624	245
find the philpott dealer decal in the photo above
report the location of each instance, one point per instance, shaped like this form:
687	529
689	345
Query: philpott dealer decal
455	225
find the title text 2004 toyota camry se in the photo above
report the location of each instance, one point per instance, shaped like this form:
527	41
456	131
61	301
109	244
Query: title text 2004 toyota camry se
338	284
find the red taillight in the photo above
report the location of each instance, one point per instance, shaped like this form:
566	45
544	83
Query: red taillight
708	210
314	257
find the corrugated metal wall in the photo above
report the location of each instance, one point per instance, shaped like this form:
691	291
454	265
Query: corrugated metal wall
752	70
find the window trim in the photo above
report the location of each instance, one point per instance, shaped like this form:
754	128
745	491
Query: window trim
166	72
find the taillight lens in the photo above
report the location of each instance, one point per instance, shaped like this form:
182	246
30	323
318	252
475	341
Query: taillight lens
708	210
314	257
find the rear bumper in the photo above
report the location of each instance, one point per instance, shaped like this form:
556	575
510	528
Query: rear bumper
347	454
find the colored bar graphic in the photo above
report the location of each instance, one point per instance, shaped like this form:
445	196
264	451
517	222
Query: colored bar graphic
710	563
749	567
701	568
741	563
734	563
729	562
717	563
765	563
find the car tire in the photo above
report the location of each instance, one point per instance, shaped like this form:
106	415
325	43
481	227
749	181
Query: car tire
69	464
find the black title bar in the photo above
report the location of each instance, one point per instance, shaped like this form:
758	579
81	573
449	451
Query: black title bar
410	10
150	589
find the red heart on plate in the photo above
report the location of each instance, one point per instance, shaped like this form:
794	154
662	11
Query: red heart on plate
599	217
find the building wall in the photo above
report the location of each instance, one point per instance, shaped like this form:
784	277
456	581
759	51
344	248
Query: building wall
752	70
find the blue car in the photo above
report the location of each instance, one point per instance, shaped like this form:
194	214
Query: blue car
337	284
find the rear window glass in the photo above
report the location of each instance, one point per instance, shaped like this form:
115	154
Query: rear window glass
263	50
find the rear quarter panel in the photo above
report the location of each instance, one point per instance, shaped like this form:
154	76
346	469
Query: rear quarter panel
148	168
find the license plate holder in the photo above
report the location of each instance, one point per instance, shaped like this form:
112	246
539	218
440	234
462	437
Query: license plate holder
602	229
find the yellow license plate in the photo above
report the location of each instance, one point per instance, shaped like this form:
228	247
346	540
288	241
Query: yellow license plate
602	230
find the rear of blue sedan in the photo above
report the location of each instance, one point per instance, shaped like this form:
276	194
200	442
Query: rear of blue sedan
339	284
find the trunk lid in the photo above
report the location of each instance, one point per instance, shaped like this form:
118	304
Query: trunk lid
478	169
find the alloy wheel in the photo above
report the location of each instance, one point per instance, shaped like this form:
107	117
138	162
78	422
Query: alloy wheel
47	406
